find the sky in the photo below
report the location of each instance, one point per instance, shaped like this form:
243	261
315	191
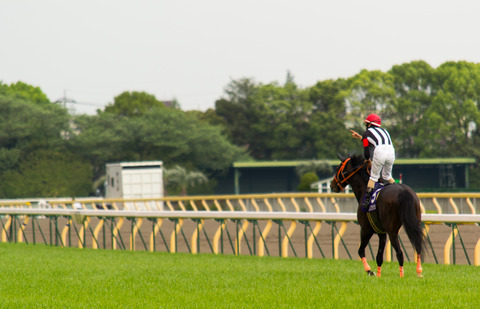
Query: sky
190	50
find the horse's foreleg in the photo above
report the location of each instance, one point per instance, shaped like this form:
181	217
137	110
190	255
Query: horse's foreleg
381	248
364	239
398	250
367	267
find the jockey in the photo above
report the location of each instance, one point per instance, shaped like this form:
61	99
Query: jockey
377	147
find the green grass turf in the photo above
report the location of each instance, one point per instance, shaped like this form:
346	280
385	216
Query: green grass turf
37	276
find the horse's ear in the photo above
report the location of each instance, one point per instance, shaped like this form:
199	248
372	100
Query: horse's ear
340	157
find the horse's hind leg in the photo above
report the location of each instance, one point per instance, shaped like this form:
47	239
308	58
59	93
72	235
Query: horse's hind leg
381	248
396	245
364	239
419	266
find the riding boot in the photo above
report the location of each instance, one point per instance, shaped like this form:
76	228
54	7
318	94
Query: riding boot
366	200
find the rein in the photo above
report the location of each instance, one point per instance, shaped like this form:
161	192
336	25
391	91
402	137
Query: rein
350	173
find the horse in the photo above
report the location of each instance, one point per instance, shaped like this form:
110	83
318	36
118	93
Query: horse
397	205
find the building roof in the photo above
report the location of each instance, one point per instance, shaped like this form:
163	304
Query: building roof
404	161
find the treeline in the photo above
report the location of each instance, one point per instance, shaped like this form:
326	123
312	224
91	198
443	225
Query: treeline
429	112
44	151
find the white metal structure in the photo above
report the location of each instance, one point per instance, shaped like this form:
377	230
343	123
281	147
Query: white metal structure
323	186
134	180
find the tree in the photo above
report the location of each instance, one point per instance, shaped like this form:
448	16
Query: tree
47	173
180	179
170	135
239	112
284	119
328	97
270	121
329	136
210	116
327	132
452	120
133	104
20	90
99	139
26	127
414	92
368	92
33	145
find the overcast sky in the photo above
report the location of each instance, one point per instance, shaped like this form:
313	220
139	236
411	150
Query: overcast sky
191	49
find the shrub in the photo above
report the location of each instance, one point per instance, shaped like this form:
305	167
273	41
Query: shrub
306	180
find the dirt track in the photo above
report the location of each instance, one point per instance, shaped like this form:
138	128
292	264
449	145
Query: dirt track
439	234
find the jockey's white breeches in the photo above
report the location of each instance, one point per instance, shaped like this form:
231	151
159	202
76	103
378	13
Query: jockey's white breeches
382	162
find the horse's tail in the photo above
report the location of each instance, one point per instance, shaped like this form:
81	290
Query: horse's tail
411	224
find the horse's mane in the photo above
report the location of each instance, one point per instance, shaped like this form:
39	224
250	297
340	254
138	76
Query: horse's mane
357	160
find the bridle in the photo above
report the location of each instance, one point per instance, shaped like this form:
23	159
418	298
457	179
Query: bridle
347	174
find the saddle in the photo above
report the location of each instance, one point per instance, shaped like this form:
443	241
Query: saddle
372	205
372	214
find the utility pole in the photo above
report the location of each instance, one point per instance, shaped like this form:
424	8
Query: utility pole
64	100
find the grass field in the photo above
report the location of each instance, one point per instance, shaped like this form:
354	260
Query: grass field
51	277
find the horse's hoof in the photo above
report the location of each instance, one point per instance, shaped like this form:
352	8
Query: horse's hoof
420	276
370	273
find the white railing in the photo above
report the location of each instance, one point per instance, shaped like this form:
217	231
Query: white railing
18	222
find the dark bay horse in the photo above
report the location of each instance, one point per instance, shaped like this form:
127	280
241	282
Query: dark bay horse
397	205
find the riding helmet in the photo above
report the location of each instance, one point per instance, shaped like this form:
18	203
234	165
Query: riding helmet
374	119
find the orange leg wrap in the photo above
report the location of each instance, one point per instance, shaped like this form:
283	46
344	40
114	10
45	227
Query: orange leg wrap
365	264
401	271
419	266
379	271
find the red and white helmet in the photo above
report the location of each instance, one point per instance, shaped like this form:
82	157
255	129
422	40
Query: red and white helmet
374	119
